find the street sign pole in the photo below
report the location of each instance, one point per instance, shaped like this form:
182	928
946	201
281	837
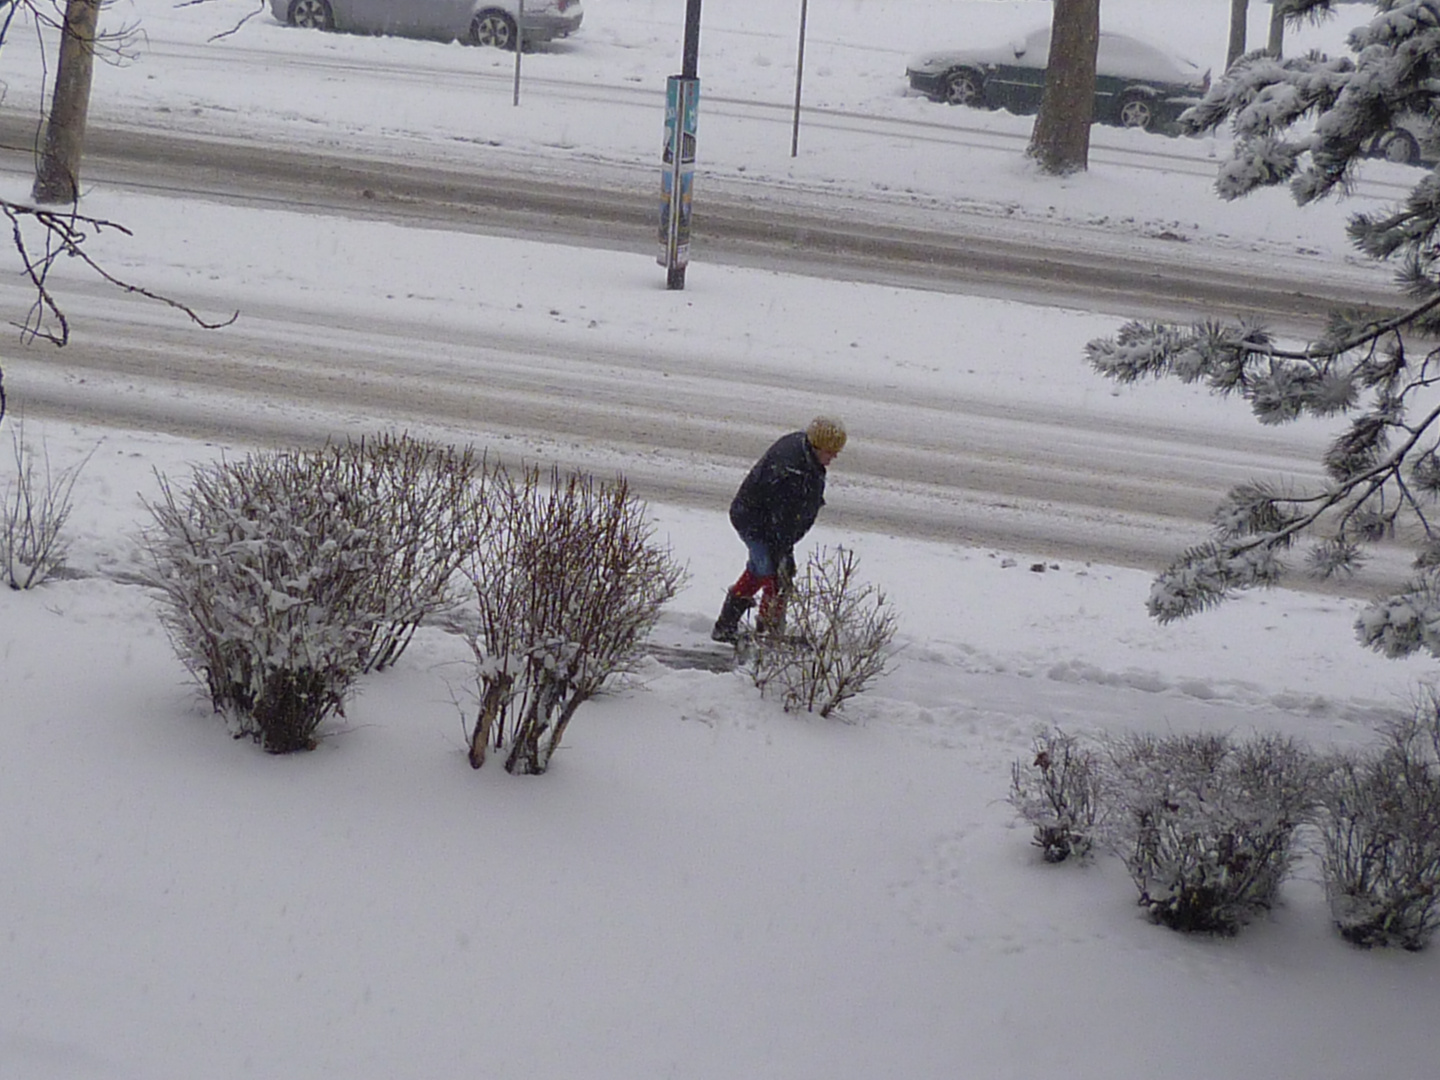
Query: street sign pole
519	48
799	76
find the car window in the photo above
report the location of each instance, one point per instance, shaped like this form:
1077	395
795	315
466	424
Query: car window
1124	56
1033	50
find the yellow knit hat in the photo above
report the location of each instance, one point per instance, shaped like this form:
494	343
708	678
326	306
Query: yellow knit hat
826	434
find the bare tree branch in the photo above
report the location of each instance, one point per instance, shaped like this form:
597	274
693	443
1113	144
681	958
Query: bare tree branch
259	9
65	233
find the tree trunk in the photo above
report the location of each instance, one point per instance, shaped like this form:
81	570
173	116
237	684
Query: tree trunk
57	175
1276	45
1239	13
1060	141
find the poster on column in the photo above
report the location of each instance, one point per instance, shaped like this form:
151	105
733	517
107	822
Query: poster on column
677	178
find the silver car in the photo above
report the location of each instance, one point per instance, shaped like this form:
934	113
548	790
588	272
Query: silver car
475	22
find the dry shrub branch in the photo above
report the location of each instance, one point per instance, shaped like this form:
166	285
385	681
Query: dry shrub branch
429	502
1206	824
838	637
1061	792
33	514
1380	835
568	582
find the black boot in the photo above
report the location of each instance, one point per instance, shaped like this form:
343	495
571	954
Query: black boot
727	626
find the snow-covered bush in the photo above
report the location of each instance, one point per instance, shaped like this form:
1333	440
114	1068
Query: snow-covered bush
1060	791
569	581
1206	824
427	500
1380	832
286	575
837	639
33	513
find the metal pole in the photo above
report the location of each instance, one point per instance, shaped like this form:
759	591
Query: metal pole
519	47
691	56
799	74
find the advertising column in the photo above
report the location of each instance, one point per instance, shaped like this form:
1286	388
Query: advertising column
677	178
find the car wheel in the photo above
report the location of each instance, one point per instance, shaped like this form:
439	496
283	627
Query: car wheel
312	15
1400	147
1136	111
964	88
493	28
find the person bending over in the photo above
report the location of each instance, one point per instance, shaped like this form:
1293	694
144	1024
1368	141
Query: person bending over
776	505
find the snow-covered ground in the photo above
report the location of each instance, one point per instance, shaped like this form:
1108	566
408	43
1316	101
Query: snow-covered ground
703	886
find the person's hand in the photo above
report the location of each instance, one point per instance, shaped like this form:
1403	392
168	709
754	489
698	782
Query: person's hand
785	569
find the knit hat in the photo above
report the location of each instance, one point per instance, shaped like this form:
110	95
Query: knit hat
826	434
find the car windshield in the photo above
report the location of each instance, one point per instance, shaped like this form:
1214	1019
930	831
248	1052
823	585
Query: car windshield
1033	50
1139	60
1119	55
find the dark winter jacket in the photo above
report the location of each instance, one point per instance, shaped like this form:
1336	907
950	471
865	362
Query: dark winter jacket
779	500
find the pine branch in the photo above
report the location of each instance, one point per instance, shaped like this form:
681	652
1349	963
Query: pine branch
1254	509
1223	354
1207	575
1332	558
1403	624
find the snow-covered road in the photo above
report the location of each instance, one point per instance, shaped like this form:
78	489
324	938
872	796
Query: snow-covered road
679	405
249	165
1138	269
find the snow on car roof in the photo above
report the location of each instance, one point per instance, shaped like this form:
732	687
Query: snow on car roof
1137	58
1120	54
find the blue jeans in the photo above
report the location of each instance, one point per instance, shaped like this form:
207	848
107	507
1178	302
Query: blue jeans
760	563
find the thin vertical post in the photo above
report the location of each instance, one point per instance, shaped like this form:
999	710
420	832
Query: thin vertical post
799	75
519	47
690	58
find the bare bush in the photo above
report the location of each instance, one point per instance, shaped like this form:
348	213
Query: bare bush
569	581
1380	836
426	498
1205	825
1061	793
837	642
284	576
33	514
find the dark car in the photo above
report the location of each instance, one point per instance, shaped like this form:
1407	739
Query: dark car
1412	140
1136	84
